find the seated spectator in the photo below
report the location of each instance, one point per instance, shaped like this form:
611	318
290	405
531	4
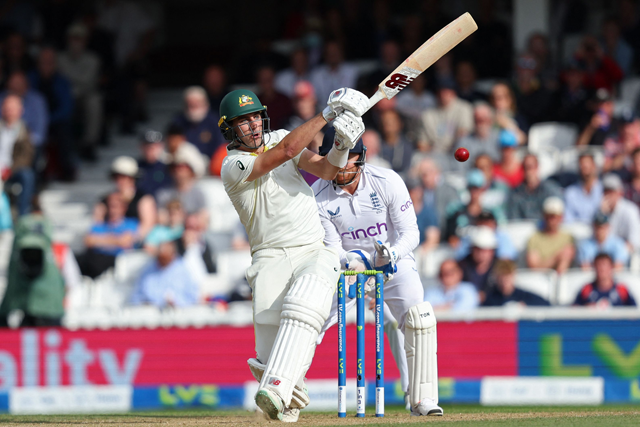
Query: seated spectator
414	101
504	289
484	138
166	282
82	68
140	206
371	140
176	140
504	246
452	293
286	80
618	149
551	247
34	283
624	216
503	101
604	292
426	217
496	190
466	82
108	238
614	46
603	241
279	104
632	186
194	246
185	169
153	172
396	149
584	197
438	195
526	200
449	121
601	71
199	122
533	99
509	169
476	267
546	72
170	229
214	82
600	125
334	73
56	90
571	101
16	153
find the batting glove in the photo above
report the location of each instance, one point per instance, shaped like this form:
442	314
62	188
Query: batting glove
384	259
345	99
357	260
349	128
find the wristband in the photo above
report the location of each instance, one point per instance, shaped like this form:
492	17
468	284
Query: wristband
338	158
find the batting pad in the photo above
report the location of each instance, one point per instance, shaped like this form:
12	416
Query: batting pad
421	347
305	309
300	397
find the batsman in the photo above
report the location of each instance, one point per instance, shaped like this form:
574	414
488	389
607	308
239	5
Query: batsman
293	275
369	219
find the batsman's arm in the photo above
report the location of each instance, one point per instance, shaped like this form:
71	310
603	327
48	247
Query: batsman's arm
403	216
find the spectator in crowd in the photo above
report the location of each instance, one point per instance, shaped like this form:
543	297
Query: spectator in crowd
551	247
35	113
604	291
140	206
16	153
476	267
426	217
466	82
504	246
452	293
34	283
396	149
450	120
304	106
509	169
601	71
496	190
602	241
388	59
108	238
177	140
279	104
185	169
169	228
414	101
614	46
16	57
286	80
572	98
632	187
153	172
166	282
335	73
371	140
600	126
533	99
624	216
584	197
82	68
194	247
484	138
438	195
460	216
503	101
214	82
526	200
199	122
546	72
618	148
504	289
56	90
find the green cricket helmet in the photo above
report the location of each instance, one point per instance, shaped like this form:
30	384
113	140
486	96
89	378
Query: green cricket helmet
238	103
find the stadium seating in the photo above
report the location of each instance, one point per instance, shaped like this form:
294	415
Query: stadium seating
629	91
429	263
569	157
579	230
520	232
569	285
552	134
541	282
223	216
231	266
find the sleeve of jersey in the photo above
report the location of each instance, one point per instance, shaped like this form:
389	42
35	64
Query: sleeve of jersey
403	215
236	169
332	238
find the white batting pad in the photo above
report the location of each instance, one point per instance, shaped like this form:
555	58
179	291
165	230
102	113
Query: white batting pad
421	347
305	309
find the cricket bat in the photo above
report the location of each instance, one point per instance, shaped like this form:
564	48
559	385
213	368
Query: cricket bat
424	57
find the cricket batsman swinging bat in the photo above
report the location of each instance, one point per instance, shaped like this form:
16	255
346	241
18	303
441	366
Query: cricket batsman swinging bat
430	51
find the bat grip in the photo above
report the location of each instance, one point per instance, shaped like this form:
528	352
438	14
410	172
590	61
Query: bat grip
374	99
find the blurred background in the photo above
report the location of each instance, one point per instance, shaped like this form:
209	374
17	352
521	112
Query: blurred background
114	217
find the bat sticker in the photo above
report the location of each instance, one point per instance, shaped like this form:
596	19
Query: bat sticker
399	81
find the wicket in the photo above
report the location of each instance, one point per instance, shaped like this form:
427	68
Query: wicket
361	278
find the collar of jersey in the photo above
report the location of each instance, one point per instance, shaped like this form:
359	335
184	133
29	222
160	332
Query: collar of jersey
340	192
247	153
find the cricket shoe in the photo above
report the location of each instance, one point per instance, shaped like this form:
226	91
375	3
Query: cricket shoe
427	407
270	403
290	415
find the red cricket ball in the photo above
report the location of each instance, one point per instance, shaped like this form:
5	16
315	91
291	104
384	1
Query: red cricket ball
461	154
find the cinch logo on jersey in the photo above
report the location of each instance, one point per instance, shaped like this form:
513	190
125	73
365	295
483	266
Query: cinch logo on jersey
398	81
363	233
406	206
245	100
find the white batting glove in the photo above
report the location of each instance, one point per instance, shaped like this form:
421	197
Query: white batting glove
345	99
349	128
384	259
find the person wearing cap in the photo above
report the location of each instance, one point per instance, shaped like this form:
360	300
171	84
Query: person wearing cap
604	291
476	267
618	148
526	200
601	124
551	247
624	215
153	172
582	199
504	291
140	206
82	68
504	247
368	217
509	169
396	149
603	240
450	120
452	293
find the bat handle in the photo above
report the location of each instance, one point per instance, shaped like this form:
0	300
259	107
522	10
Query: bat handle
374	99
